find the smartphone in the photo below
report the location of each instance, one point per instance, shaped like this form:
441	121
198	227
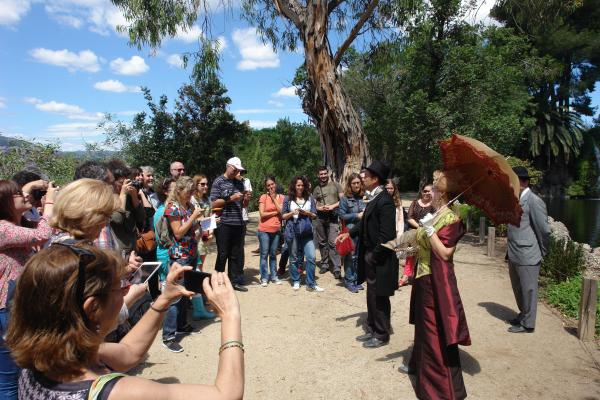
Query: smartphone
192	280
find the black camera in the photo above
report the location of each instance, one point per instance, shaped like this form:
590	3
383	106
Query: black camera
37	194
137	184
227	194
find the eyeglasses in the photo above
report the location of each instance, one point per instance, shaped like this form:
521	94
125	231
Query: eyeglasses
85	257
203	184
19	193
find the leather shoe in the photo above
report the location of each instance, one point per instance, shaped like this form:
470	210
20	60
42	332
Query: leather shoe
239	288
364	337
520	329
374	343
514	321
337	275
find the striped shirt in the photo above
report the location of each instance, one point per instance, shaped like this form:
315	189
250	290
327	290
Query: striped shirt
223	187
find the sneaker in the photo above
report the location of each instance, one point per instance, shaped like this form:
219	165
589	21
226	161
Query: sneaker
172	346
351	288
263	283
315	289
276	281
337	275
359	287
186	330
296	286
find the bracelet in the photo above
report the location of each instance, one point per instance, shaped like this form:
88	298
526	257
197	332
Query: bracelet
231	344
158	310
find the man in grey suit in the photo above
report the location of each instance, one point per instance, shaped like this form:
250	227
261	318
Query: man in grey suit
527	245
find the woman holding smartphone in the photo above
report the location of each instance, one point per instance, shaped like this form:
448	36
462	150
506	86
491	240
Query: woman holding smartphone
299	209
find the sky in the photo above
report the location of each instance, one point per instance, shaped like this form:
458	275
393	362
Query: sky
63	66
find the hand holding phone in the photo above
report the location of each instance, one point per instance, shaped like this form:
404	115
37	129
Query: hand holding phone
192	280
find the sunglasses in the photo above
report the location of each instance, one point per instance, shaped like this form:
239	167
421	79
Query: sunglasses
85	258
179	169
426	191
203	184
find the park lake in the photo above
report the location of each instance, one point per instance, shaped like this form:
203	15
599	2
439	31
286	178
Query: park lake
580	216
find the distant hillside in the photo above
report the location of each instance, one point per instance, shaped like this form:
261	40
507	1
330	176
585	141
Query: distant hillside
6	142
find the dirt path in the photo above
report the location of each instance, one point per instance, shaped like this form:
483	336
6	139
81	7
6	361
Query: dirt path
300	345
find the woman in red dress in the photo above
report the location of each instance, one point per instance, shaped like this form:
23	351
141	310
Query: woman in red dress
436	308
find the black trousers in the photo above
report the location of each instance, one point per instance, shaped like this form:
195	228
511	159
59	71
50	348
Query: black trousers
230	246
378	307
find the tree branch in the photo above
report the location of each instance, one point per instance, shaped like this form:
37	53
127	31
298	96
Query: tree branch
359	24
290	9
332	5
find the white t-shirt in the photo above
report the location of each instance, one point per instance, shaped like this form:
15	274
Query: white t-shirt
299	204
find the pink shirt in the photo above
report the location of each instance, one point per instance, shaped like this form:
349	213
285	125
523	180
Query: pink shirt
273	223
16	247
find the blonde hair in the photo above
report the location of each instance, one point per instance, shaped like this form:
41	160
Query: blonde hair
82	206
184	183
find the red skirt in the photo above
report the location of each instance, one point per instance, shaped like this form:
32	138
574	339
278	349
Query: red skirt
437	366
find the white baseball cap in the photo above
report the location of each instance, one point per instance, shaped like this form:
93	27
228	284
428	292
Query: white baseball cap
236	162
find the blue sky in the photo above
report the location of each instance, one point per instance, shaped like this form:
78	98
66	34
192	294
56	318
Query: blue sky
63	65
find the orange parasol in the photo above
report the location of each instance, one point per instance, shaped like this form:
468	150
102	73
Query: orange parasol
484	177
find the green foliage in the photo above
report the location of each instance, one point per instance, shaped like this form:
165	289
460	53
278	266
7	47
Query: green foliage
566	297
287	150
579	187
534	173
441	78
44	157
563	260
565	35
200	131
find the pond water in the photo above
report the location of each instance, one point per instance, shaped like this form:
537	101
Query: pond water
581	217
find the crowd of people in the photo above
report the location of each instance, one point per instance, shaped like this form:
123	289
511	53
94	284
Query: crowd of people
79	247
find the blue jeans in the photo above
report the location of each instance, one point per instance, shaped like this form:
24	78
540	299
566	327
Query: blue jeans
9	371
176	317
268	242
307	246
351	265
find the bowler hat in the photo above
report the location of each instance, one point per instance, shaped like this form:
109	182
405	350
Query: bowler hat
379	169
521	172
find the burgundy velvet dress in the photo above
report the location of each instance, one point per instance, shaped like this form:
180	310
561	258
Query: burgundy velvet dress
437	312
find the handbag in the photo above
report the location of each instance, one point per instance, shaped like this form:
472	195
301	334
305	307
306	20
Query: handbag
344	247
146	242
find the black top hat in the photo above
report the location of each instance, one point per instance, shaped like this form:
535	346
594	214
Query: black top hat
379	169
521	172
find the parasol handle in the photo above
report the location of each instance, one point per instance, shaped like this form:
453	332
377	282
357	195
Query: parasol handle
457	196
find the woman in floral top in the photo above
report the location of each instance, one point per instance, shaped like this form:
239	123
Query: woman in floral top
184	226
16	246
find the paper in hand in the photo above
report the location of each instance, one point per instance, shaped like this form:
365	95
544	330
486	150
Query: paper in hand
208	224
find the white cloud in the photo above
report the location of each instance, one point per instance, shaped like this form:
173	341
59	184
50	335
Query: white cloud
134	66
190	35
70	111
73	129
2	102
85	60
11	11
112	85
175	60
100	16
222	42
285	92
258	124
254	53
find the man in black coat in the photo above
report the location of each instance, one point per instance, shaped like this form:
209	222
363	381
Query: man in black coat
377	265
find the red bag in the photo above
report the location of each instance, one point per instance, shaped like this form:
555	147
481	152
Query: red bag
344	247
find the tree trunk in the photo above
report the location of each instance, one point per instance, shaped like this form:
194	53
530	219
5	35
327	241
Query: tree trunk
345	147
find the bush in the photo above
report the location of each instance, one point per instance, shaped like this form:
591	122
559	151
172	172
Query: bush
563	261
566	296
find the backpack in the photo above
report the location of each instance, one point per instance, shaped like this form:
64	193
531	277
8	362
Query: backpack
163	233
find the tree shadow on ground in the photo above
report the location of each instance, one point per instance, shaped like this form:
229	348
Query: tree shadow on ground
361	318
499	311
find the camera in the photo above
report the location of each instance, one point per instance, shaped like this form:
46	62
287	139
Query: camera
137	184
37	194
228	193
